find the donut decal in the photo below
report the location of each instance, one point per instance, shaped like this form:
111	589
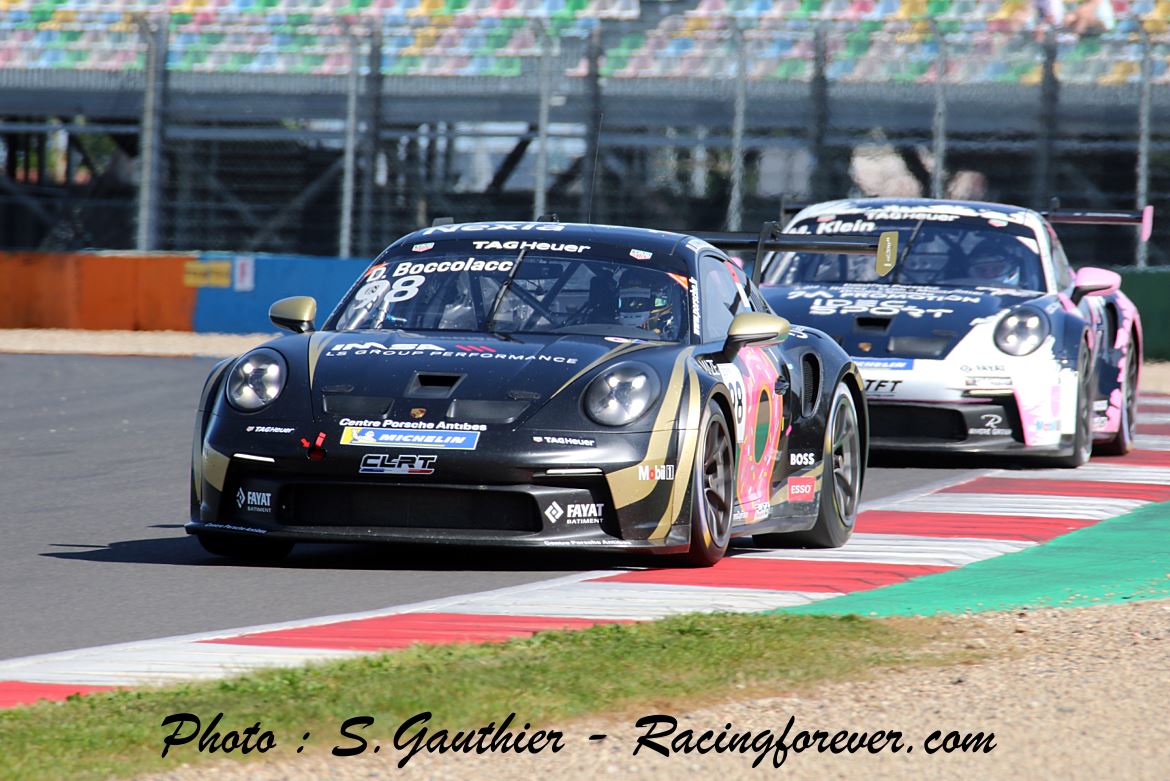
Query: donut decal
763	415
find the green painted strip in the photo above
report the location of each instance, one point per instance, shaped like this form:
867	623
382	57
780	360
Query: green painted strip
1121	559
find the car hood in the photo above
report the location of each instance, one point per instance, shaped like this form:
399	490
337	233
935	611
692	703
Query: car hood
455	376
909	321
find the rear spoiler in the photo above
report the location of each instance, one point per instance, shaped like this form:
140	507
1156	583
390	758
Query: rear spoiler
1143	217
771	239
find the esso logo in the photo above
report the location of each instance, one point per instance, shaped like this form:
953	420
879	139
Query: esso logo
801	459
801	489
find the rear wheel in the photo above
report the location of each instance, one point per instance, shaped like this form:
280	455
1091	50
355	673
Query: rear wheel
712	490
843	462
1122	441
245	548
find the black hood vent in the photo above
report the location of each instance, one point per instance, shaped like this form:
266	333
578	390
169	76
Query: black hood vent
479	411
349	406
433	385
870	324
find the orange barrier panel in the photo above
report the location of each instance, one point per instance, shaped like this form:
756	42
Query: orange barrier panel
95	291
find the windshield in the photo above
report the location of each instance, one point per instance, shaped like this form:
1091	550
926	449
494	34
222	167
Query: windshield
525	293
963	252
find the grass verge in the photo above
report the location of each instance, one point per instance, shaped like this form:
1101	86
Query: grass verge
690	660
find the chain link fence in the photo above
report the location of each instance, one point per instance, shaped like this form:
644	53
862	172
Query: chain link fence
335	136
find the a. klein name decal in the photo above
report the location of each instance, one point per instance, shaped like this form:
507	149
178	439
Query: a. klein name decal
395	437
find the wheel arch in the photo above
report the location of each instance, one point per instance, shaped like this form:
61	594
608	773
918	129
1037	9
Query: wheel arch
853	383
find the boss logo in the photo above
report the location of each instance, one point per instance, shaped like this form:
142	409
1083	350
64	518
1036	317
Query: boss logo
801	489
801	459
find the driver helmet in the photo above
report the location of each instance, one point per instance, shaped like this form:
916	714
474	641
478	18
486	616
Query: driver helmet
991	263
645	301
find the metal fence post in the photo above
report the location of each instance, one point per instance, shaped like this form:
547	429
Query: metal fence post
819	96
151	132
345	232
735	201
593	126
1143	156
1042	183
370	144
540	187
939	129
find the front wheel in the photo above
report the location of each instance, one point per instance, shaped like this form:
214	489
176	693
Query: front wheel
843	468
712	490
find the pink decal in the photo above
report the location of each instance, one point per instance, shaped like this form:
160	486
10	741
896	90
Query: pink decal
1129	322
1067	303
1028	418
755	476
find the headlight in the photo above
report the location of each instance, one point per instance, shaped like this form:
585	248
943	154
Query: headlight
621	394
256	380
1021	331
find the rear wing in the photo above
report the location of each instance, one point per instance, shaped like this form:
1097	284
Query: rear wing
1143	217
771	239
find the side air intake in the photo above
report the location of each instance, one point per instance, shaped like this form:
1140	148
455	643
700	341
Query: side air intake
810	370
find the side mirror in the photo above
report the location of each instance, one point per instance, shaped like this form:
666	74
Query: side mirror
1091	281
294	314
758	328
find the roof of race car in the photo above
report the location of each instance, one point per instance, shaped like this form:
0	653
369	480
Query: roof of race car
611	240
918	205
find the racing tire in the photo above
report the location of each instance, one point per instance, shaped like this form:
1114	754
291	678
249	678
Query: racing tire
245	548
843	471
1122	441
1083	438
712	489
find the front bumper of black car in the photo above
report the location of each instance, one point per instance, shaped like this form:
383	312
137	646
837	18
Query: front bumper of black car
510	491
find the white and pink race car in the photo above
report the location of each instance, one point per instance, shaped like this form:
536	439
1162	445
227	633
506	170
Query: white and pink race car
982	338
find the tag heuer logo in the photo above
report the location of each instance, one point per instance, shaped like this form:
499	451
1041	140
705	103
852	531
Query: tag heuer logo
554	512
422	247
241	497
640	254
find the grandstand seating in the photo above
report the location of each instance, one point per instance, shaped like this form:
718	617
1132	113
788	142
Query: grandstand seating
989	41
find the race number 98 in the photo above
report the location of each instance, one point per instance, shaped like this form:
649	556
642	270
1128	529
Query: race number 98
405	288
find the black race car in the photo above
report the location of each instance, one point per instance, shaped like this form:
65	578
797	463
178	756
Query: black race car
536	384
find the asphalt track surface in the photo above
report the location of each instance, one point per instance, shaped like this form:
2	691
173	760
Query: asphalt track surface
94	465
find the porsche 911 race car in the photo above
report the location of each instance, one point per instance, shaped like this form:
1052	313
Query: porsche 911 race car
536	384
982	338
